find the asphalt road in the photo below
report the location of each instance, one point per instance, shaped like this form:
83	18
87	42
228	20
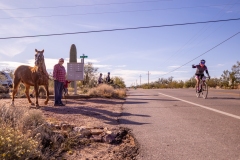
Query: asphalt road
174	124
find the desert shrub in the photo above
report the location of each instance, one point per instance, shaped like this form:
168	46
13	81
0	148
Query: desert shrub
70	89
2	89
107	91
32	119
120	93
11	116
14	145
4	95
85	90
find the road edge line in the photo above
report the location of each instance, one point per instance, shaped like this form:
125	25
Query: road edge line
205	107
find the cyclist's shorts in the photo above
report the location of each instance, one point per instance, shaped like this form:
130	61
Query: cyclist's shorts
200	77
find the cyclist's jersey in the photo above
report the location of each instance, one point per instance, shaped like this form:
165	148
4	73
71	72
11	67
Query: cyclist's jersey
200	70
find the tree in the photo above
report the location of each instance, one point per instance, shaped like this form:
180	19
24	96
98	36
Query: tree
90	75
119	81
236	71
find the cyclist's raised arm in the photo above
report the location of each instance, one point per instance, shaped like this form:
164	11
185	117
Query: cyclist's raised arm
208	73
193	66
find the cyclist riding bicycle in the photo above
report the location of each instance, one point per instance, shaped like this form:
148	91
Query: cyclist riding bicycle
200	72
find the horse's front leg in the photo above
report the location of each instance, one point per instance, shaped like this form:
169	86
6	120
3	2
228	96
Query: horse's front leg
27	94
36	87
47	98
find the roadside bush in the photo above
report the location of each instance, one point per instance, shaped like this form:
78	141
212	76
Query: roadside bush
107	91
120	93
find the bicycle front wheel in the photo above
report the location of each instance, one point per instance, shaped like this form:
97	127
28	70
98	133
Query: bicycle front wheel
205	90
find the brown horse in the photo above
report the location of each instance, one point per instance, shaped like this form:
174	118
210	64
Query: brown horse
32	76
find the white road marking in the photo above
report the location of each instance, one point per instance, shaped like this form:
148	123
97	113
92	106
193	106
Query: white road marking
211	109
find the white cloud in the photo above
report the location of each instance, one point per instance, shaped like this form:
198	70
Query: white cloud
130	76
15	47
11	65
102	66
121	66
173	66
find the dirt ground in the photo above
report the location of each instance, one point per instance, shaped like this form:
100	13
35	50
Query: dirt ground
90	112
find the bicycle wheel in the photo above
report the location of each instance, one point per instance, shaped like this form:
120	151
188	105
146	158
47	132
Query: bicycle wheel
205	90
197	93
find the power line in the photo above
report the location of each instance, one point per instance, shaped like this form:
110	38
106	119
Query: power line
84	5
110	12
203	53
122	29
191	40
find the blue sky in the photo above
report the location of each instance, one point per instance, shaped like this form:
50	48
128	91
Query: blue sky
127	54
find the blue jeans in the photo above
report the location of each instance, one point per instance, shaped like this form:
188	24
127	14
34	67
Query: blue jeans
58	88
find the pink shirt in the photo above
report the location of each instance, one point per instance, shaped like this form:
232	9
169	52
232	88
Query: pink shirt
59	73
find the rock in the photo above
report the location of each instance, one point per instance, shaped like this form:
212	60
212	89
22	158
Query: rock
96	131
86	132
83	130
57	127
108	138
113	134
77	129
66	127
80	136
97	138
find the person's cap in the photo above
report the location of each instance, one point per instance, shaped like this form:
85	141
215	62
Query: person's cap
108	72
100	73
61	60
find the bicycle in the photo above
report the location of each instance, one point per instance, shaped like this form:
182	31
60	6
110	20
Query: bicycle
203	89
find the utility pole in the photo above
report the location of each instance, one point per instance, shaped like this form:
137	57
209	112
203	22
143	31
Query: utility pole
140	79
148	79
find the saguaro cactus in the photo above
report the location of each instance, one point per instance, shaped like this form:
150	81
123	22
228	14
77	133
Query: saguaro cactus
73	58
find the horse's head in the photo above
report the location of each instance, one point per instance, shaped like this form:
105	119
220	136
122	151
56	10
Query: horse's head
39	57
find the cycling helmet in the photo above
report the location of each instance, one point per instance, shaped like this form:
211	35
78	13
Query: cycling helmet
202	61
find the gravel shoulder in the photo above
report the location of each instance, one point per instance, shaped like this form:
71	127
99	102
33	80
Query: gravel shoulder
92	113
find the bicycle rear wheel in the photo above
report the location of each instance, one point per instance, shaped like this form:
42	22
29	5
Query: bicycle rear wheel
205	90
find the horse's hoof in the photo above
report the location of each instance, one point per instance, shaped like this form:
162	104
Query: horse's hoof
32	103
46	102
37	106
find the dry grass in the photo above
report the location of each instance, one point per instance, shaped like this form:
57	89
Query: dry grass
107	91
32	119
24	134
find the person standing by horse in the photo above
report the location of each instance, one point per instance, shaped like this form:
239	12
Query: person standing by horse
59	74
